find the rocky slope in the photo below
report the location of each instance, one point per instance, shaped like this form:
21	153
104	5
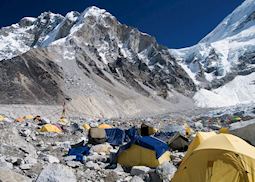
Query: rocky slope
223	59
105	67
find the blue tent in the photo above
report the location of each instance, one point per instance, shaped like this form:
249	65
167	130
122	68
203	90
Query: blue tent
79	152
115	136
131	134
154	144
148	142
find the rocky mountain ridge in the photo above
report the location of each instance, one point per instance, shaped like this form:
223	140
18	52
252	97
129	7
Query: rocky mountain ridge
90	57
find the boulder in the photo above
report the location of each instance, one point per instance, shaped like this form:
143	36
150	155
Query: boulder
73	164
11	143
50	158
166	171
101	148
92	165
10	176
139	170
136	179
56	173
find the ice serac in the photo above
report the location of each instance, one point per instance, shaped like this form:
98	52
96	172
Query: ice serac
105	67
225	55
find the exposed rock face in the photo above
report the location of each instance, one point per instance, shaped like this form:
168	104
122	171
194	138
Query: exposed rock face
10	176
91	58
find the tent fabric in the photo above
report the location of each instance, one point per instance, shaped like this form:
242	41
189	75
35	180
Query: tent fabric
79	152
139	156
50	128
104	126
2	118
131	134
29	117
97	135
145	151
86	126
219	158
200	137
115	136
164	136
224	130
20	119
178	142
153	143
147	130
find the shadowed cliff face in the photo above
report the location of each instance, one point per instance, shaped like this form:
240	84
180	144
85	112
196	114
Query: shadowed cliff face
30	79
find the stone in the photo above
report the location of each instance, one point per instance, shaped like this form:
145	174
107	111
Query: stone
70	158
26	166
139	170
73	164
105	148
136	179
50	158
56	173
166	171
6	165
30	160
25	132
96	157
11	143
215	127
198	125
92	165
10	176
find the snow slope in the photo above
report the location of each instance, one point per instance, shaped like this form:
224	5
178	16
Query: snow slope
241	90
223	63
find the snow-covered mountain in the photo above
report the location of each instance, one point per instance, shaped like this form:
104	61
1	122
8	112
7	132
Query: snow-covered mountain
104	66
108	68
222	63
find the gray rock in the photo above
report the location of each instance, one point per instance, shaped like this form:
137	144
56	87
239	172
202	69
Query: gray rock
50	158
198	125
215	127
101	148
26	166
139	170
30	160
166	171
136	179
25	132
11	143
10	176
73	164
96	157
6	165
92	165
56	173
70	158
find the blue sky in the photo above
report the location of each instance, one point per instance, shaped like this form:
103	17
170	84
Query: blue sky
174	23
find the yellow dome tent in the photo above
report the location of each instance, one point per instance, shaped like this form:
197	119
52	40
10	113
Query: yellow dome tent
86	126
28	117
50	128
2	118
219	158
20	119
104	126
224	130
144	152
